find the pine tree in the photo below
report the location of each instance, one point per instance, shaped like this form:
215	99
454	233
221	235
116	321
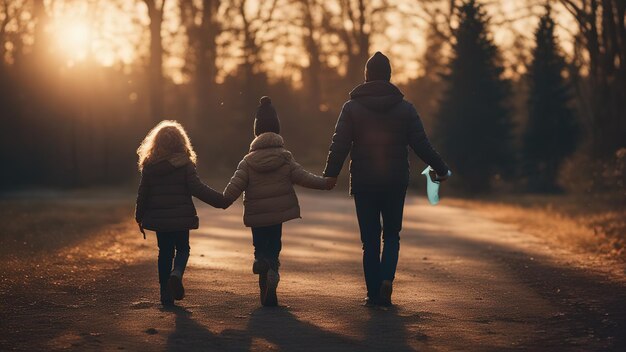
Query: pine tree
552	129
473	126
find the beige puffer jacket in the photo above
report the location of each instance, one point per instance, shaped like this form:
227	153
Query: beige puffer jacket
267	175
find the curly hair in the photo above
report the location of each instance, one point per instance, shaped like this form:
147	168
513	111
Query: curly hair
165	139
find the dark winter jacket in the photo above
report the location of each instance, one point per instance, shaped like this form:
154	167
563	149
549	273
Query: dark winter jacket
164	197
375	126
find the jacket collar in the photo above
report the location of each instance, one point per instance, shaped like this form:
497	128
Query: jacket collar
378	96
267	140
375	89
168	164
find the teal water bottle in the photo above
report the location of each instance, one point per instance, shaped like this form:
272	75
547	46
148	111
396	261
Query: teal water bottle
432	187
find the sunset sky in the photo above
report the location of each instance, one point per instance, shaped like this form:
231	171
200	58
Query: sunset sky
114	33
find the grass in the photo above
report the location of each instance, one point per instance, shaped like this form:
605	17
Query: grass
585	224
42	225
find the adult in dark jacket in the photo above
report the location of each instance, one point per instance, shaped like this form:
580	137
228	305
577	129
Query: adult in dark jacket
168	181
375	127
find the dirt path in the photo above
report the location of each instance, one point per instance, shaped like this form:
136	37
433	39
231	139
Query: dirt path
464	283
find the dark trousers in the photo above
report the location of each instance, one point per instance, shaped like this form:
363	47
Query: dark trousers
267	244
173	247
369	209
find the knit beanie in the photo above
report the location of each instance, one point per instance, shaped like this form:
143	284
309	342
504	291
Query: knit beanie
265	118
377	68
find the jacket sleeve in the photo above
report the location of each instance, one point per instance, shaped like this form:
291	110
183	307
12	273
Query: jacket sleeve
300	176
198	189
341	143
142	198
237	185
421	145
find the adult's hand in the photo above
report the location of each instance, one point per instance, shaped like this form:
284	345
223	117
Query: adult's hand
331	182
442	178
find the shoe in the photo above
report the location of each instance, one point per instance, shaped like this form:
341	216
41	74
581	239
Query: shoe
271	300
262	287
260	266
166	297
386	288
175	286
167	302
369	302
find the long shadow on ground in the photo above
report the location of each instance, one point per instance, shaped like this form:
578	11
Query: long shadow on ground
189	335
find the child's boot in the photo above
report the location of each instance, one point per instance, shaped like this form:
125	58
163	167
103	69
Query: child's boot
175	286
271	300
260	266
386	288
166	297
263	287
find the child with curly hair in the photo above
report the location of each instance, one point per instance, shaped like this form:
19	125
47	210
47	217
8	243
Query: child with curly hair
167	163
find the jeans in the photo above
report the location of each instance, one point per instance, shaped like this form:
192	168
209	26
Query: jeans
369	208
173	246
267	244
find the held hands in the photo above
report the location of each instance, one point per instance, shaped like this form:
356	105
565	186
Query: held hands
331	182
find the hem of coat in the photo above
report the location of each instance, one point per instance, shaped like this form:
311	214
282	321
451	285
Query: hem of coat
169	229
378	188
154	226
270	223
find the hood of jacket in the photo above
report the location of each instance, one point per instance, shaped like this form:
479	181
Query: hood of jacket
378	96
267	153
167	165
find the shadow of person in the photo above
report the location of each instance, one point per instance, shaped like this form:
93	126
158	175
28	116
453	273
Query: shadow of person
189	335
386	330
278	328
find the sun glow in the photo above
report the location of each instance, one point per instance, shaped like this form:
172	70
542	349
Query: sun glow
73	39
110	33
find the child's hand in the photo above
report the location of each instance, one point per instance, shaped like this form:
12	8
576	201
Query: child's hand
331	182
142	230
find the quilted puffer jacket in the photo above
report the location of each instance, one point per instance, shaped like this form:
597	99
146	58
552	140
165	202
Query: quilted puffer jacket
266	176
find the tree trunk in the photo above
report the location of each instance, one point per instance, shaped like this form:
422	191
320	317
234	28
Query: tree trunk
357	42
206	53
40	17
155	69
250	51
315	65
601	23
